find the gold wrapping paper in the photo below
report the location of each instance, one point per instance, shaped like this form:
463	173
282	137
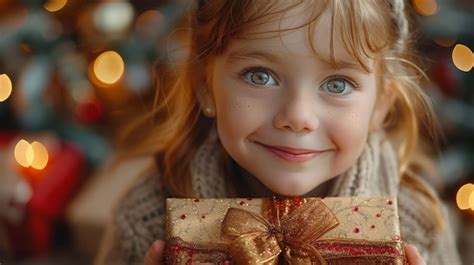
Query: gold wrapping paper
352	230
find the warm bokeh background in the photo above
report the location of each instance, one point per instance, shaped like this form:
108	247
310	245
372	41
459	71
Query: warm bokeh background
73	72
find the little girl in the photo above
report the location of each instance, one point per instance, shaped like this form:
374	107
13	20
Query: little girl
287	98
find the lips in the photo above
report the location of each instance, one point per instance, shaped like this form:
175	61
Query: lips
292	154
293	151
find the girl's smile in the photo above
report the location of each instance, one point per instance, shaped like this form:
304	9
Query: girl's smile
292	155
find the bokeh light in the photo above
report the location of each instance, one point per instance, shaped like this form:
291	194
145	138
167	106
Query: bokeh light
462	57
149	22
54	5
109	67
426	7
113	16
40	156
471	200
148	17
5	87
464	196
33	155
445	42
20	153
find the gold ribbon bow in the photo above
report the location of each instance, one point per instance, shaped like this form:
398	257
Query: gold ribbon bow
254	240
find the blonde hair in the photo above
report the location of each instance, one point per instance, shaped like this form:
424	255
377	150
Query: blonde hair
176	127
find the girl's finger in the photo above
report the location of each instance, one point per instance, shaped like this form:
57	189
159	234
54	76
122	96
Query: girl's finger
413	256
154	255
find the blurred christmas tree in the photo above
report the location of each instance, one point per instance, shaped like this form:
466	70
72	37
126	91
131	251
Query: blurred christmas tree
448	41
70	71
74	66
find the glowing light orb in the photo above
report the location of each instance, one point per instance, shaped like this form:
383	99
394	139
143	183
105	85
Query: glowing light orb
20	153
462	57
33	155
113	16
109	67
40	156
5	87
54	5
471	200
425	7
445	42
465	197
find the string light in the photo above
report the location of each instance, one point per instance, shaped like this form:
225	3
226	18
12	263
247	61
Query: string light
465	197
54	5
462	57
5	87
425	7
109	67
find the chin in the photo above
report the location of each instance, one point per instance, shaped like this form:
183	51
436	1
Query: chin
291	190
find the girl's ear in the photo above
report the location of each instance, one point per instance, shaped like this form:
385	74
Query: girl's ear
206	103
384	104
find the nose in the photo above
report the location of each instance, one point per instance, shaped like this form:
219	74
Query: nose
297	114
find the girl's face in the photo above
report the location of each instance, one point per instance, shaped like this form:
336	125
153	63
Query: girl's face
288	118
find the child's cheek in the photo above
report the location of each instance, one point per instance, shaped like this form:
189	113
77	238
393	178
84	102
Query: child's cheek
239	115
348	130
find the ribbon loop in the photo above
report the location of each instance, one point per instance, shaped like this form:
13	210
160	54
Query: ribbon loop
254	240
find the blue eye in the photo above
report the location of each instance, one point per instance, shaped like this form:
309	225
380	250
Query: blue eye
337	86
260	77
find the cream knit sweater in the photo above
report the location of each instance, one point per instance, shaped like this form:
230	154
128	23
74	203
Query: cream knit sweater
139	216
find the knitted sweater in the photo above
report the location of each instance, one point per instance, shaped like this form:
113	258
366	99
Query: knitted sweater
139	217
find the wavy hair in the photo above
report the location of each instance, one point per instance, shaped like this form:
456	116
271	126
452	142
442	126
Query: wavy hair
176	127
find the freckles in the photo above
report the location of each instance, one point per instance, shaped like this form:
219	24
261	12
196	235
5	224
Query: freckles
347	128
237	113
330	114
353	115
355	121
239	105
236	104
344	119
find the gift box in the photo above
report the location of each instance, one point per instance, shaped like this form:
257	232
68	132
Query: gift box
332	230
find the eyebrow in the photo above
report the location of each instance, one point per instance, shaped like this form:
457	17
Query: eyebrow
246	53
253	54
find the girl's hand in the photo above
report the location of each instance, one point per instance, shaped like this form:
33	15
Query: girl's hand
154	255
413	256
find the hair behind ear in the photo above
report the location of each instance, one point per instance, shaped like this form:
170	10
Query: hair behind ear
384	103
